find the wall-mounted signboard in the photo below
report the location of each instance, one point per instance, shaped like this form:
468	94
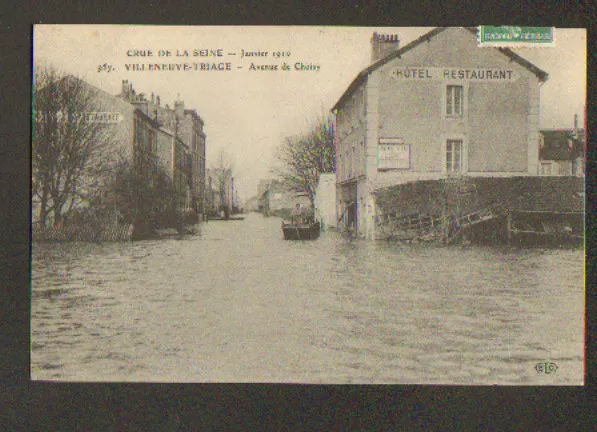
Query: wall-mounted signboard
393	153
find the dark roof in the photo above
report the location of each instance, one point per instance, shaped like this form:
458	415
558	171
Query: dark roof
194	114
542	75
560	145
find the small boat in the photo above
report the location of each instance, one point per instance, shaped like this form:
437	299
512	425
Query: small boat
301	231
230	218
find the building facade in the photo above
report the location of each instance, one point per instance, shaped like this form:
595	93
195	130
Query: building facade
439	107
562	151
193	134
175	158
189	151
145	134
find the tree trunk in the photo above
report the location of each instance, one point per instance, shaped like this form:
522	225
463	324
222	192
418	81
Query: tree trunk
43	210
57	215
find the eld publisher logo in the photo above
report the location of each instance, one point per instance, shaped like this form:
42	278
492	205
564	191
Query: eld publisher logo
546	367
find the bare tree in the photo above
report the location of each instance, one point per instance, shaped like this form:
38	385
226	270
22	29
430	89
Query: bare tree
223	170
65	145
140	193
303	158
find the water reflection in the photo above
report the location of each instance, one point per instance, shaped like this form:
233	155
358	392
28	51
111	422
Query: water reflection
237	303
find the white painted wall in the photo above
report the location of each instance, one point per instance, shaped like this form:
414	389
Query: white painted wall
325	200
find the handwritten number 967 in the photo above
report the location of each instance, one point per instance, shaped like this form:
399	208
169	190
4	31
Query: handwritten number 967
105	68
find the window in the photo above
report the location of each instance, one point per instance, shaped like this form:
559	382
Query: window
547	168
454	100
454	156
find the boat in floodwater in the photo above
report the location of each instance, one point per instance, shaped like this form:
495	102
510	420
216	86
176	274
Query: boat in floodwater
301	231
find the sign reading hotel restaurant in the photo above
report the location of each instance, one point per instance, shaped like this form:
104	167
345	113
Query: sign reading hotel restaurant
470	74
393	154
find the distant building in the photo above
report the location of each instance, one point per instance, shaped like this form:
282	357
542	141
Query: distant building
174	157
252	204
261	188
193	135
279	199
187	127
438	107
263	185
562	152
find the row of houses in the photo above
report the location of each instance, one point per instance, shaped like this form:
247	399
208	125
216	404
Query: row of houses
172	136
274	198
437	109
207	191
148	133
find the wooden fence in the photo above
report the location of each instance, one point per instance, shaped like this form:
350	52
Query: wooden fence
96	233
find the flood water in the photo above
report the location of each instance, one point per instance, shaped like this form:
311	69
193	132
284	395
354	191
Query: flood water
237	303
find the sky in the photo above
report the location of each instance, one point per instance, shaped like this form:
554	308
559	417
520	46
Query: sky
248	113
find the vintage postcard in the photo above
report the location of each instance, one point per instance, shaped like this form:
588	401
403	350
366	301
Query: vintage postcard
336	205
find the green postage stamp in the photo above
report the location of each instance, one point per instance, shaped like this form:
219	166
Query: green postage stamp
512	36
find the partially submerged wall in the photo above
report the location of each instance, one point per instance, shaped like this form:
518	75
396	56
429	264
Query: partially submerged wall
441	208
551	194
64	233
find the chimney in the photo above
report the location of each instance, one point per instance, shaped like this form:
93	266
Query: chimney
125	87
179	108
157	101
152	98
382	45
